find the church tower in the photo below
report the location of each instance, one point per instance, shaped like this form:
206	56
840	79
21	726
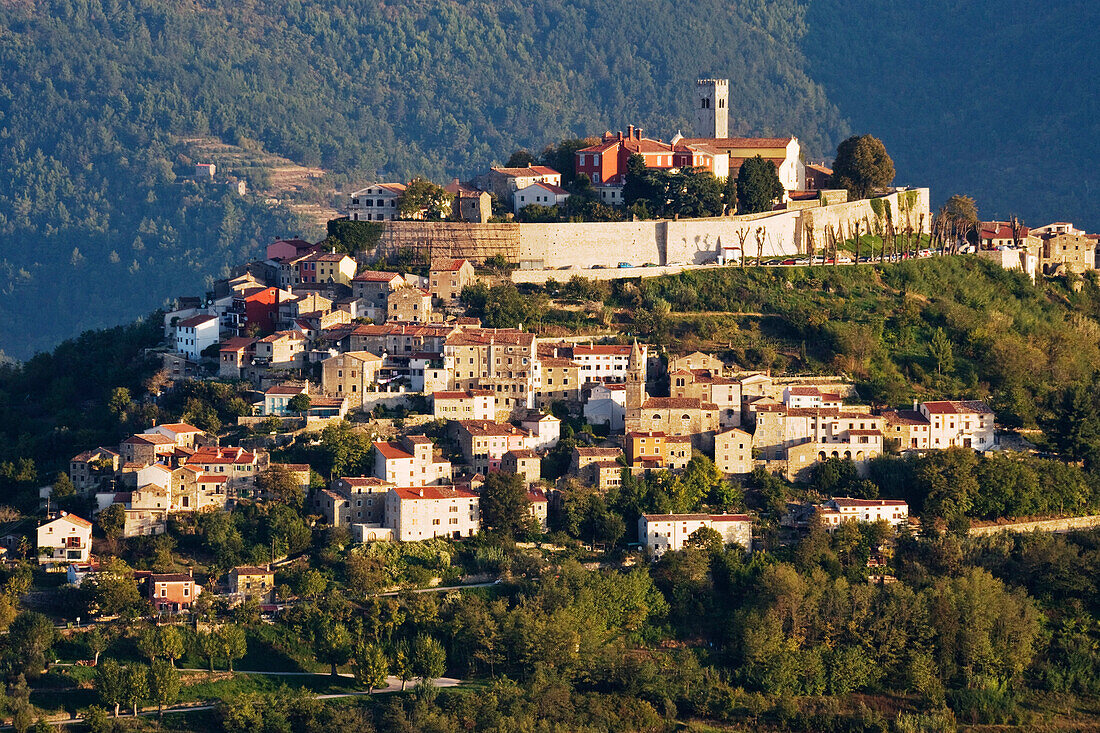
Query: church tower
712	108
635	387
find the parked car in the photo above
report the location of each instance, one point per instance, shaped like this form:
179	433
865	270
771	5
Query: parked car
789	262
623	265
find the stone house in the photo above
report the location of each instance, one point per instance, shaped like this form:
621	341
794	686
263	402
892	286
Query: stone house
447	278
409	305
423	512
522	462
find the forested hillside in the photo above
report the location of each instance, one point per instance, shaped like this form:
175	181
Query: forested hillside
994	100
98	229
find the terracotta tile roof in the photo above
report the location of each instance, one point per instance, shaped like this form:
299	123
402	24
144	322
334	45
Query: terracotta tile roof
557	362
419	493
646	434
212	478
589	452
195	321
486	428
536	496
601	350
171	578
446	265
522	453
678	403
864	432
391	451
904	417
363	481
376	276
532	170
178	427
78	521
952	407
281	389
324	257
153	438
730	518
485	336
89	455
846	501
466	395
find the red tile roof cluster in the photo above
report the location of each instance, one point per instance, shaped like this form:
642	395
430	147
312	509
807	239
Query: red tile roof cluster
212	454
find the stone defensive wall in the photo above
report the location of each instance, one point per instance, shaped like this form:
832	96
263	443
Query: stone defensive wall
1064	524
671	243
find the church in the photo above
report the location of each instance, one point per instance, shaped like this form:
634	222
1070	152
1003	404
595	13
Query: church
673	416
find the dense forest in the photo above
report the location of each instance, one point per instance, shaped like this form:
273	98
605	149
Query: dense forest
989	99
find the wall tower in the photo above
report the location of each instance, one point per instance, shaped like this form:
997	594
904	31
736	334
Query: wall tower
712	107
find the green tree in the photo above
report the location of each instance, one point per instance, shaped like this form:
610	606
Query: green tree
113	591
28	642
862	166
62	487
208	646
520	159
504	504
299	403
332	642
402	662
707	539
164	684
371	666
562	157
429	659
758	186
97	643
232	643
148	642
112	521
110	684
135	686
349	451
170	643
939	346
423	199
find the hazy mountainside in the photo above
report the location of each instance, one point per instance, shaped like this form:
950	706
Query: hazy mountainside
98	229
996	100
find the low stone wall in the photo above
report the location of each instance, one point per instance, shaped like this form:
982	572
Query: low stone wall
1063	524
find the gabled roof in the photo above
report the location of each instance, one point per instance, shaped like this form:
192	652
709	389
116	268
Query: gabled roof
376	276
391	187
531	170
391	451
418	493
447	265
180	428
195	321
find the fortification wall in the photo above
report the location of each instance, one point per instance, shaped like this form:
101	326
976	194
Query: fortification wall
592	243
683	242
1065	524
906	208
695	241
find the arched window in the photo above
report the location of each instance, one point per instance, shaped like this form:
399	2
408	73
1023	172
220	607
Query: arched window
685	417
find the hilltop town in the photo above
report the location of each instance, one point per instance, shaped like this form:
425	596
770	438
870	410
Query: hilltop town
379	448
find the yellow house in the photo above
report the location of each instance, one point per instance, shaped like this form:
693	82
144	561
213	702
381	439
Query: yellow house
248	581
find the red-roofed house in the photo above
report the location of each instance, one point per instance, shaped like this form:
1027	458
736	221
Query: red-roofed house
448	277
410	462
373	288
283	249
172	592
538	505
966	423
65	538
235	356
180	433
538	194
843	509
326	267
663	532
484	443
195	334
423	512
469	404
504	182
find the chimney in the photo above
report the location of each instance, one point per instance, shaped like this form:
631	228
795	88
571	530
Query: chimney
620	135
630	131
914	405
638	133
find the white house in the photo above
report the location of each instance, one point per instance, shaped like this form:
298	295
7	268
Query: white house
843	509
965	423
410	462
376	202
422	512
470	404
660	533
195	334
538	193
606	405
65	539
545	429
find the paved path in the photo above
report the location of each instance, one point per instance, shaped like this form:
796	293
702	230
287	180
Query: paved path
393	684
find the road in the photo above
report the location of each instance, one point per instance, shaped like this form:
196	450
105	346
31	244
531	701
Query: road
437	589
393	685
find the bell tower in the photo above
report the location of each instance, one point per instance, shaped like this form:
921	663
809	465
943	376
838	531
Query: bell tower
635	387
712	108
